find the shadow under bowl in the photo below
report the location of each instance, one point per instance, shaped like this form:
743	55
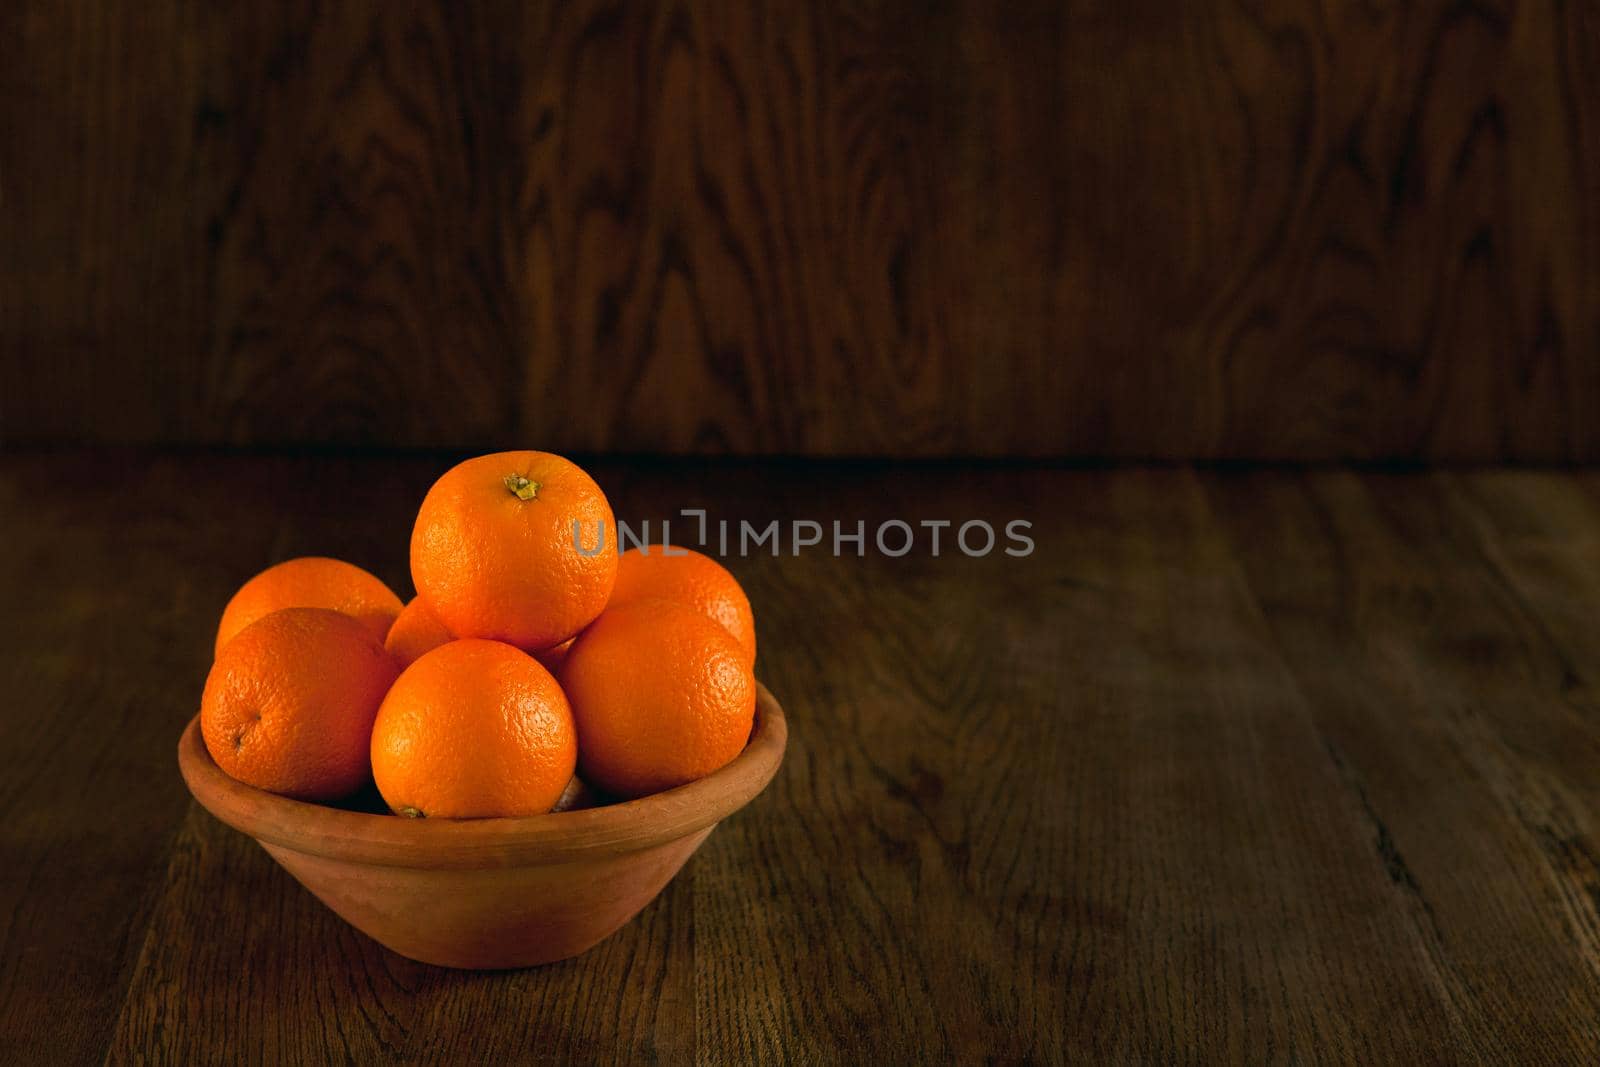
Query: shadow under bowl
490	893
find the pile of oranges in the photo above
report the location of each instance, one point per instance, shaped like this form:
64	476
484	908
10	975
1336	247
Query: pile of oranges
534	658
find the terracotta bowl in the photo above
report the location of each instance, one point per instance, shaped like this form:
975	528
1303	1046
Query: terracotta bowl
490	893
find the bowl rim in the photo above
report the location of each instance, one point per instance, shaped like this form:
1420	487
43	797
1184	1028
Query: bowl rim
534	840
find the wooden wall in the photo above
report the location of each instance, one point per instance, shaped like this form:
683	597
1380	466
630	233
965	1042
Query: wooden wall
1304	228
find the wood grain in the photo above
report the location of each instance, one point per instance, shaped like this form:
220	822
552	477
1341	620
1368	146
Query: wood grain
1308	231
103	555
1263	766
1448	714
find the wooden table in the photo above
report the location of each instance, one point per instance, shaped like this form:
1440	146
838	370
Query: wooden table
1255	765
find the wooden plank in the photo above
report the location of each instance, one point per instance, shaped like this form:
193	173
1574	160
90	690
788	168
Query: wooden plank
1540	530
105	563
114	571
1072	806
1257	766
239	963
1441	700
1227	900
1018	229
628	1000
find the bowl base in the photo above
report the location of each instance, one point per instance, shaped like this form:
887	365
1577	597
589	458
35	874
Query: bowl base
491	920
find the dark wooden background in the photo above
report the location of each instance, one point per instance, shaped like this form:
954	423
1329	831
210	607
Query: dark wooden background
1276	230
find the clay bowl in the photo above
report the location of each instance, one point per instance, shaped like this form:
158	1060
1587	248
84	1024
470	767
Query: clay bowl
490	893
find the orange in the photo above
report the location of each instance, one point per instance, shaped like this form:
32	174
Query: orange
311	582
416	631
661	696
493	550
551	658
578	796
473	729
692	579
289	703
